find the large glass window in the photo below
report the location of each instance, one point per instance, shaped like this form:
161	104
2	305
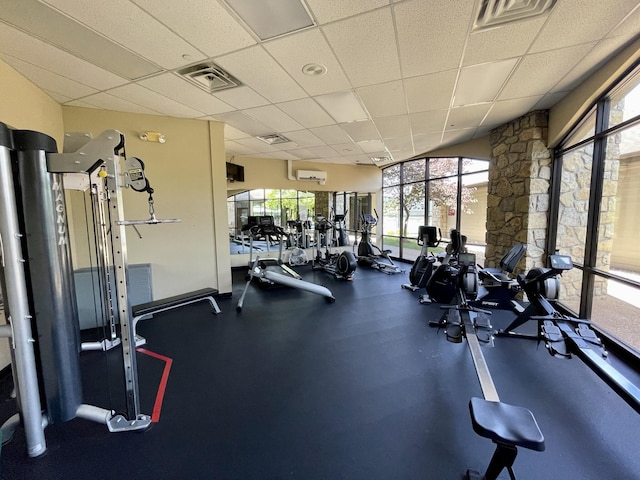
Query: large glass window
448	193
283	205
597	202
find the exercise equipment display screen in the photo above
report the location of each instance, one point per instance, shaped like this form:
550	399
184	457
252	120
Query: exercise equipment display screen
467	259
561	262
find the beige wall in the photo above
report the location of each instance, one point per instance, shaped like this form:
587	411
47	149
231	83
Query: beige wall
570	109
24	106
183	256
271	173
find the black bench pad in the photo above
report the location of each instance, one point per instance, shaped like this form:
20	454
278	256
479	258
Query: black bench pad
507	424
169	302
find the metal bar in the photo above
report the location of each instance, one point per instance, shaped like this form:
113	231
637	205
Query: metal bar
482	369
17	308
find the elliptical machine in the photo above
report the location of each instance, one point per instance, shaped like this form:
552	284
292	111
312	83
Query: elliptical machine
422	268
441	286
341	265
371	255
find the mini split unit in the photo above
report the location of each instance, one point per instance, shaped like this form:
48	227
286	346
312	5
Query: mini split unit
311	175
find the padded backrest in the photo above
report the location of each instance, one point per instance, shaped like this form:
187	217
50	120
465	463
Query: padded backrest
511	259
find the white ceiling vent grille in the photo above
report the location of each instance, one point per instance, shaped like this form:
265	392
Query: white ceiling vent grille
492	13
210	77
273	139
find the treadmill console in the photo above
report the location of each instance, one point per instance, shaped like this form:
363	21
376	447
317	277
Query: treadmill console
561	262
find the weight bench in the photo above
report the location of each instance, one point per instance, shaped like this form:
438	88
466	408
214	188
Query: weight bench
145	311
508	427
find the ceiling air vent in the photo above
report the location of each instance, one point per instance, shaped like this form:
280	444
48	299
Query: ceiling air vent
210	77
273	139
492	13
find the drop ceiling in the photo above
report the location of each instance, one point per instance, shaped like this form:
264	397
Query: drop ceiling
390	79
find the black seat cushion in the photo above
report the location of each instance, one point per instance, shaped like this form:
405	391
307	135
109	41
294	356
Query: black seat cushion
504	423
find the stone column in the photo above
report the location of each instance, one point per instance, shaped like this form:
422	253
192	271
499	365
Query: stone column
519	189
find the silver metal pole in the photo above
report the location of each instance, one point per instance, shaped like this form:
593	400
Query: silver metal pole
18	311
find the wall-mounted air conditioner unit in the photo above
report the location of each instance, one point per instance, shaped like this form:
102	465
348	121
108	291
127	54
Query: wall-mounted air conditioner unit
312	175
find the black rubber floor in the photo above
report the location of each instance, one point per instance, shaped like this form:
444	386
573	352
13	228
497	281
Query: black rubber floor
294	387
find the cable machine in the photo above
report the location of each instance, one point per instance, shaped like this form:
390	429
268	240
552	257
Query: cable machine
37	276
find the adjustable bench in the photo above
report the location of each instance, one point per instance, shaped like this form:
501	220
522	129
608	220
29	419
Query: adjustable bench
508	427
145	311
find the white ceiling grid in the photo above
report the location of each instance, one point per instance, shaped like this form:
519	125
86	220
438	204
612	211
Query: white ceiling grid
402	77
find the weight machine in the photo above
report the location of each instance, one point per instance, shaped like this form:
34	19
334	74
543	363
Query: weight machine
37	276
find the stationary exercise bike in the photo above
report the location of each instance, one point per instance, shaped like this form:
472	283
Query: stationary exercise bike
341	265
508	426
440	286
371	255
422	268
497	287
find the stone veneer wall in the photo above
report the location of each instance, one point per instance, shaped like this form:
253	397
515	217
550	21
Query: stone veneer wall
519	189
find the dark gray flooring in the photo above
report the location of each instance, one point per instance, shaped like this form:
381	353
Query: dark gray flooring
296	388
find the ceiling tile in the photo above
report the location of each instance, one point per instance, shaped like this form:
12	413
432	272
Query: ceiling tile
303	154
361	131
57	97
390	127
538	73
481	83
430	92
304	138
244	123
307	112
109	102
347	148
133	28
238	149
49	80
327	11
233	133
256	68
273	117
256	145
467	117
503	112
323	151
331	134
352	40
432	34
426	142
629	26
456	136
65	33
175	88
507	41
295	51
343	106
22	46
429	122
573	22
241	97
147	98
593	60
399	144
227	35
372	147
384	99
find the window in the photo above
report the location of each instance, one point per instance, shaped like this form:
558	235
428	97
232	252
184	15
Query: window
596	200
448	193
